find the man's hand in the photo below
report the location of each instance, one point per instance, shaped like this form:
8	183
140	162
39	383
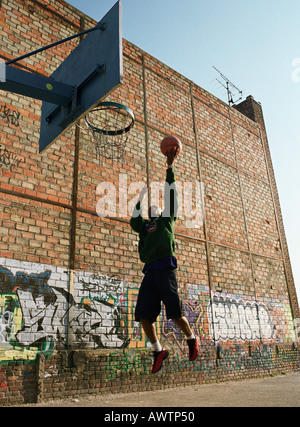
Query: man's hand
172	154
143	193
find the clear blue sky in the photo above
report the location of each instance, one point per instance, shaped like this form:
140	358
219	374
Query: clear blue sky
256	45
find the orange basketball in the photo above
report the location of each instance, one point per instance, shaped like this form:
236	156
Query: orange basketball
169	143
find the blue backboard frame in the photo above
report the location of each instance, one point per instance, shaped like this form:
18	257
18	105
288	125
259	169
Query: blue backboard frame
93	69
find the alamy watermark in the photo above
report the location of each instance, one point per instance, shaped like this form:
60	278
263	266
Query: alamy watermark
2	71
120	200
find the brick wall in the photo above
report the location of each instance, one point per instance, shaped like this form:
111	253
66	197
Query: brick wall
69	279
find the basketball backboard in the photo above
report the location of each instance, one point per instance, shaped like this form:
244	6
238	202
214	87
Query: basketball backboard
93	69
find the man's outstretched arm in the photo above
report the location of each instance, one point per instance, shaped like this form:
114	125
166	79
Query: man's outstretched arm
171	193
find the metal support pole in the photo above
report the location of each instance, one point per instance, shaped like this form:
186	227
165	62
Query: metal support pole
35	86
99	26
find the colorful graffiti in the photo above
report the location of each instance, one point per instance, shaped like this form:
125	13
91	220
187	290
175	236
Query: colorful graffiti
195	313
35	313
234	358
127	362
101	315
38	312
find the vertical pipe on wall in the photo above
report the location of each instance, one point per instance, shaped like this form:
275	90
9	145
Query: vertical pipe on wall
208	258
74	199
74	220
146	126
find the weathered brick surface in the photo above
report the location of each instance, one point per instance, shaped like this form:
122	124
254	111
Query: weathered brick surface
215	139
223	201
253	110
69	332
250	154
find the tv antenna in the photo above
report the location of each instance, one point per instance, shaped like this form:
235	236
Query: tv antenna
232	90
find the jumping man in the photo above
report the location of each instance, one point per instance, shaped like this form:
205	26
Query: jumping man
157	252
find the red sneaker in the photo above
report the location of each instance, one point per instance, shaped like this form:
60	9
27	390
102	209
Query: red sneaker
193	349
159	357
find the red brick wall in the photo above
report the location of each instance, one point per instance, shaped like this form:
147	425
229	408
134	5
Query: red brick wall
69	279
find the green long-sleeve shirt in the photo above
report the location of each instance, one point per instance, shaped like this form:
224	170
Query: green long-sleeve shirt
157	234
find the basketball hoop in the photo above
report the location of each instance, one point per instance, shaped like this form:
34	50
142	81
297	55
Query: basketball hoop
110	124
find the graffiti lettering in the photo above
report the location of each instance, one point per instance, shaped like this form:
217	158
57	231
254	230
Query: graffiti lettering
34	313
101	303
100	323
11	116
103	287
8	159
239	320
38	313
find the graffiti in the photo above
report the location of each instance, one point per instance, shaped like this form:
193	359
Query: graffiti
140	363
234	358
8	159
104	288
39	314
27	303
239	320
8	306
12	116
100	314
98	324
127	362
194	315
36	313
228	319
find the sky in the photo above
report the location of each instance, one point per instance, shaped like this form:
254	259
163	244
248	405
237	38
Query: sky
256	45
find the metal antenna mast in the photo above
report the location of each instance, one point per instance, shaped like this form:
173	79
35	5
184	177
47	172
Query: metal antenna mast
232	90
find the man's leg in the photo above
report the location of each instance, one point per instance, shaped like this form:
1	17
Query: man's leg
159	353
192	341
149	330
174	309
184	326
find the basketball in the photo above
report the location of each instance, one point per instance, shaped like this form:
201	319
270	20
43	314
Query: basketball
169	143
